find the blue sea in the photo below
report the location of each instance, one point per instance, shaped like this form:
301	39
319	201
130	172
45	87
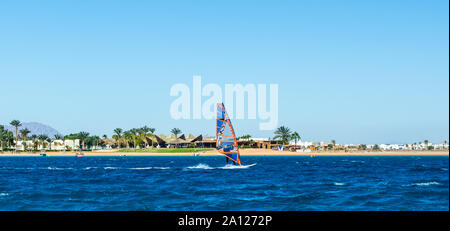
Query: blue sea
206	183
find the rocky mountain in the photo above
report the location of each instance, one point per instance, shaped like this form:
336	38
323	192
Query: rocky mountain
35	128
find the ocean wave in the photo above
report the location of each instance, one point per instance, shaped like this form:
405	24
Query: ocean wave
141	168
136	168
161	167
9	168
339	183
55	168
110	168
4	194
200	166
147	168
88	168
426	183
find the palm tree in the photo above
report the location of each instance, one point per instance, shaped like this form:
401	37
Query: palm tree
25	147
246	137
118	136
83	136
283	133
143	132
376	147
175	131
16	124
34	138
42	138
295	136
9	138
94	140
134	135
24	132
127	137
60	137
2	136
362	147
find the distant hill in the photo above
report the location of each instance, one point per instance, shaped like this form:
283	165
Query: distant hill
35	128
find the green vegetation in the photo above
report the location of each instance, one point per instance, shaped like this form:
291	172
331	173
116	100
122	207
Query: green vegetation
6	138
245	137
16	124
295	136
134	137
166	150
283	134
362	147
176	131
376	147
24	132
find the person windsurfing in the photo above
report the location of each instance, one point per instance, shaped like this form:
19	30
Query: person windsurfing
226	142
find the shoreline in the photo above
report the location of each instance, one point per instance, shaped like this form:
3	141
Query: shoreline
244	152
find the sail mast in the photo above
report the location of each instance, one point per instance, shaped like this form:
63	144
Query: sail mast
226	142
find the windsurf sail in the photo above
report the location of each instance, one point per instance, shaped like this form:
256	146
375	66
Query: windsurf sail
226	142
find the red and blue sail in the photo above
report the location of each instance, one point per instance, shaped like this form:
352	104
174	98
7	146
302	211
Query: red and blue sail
226	142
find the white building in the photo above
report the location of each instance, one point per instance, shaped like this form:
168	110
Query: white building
54	145
301	143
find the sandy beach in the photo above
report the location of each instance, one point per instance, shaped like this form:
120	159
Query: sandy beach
244	152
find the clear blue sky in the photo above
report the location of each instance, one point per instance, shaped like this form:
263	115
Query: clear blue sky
353	71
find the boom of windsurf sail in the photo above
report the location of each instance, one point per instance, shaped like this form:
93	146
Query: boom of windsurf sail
226	142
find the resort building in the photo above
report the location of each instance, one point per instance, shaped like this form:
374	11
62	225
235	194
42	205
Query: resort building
172	141
59	145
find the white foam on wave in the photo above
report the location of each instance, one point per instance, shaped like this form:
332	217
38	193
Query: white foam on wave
55	168
426	183
4	194
19	168
339	183
110	167
88	168
136	168
200	166
141	168
230	166
161	167
146	168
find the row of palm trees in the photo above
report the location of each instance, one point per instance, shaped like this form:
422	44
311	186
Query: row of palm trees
8	140
138	137
7	137
134	136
